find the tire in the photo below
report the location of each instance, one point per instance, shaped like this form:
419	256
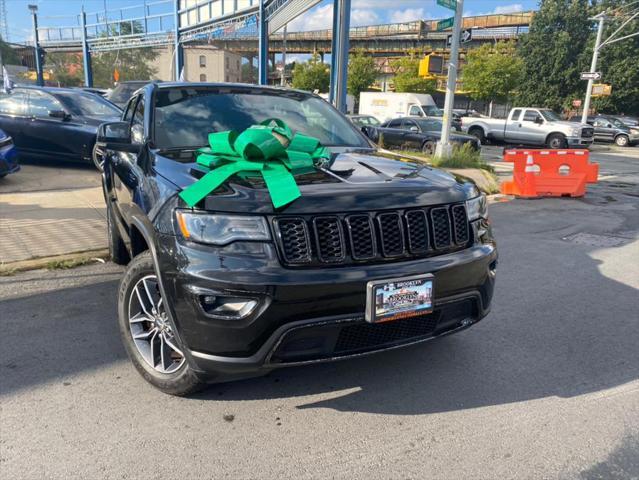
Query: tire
155	351
428	148
622	140
478	133
556	140
97	155
117	249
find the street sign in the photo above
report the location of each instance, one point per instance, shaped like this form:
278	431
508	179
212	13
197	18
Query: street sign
449	40
466	36
445	23
452	4
601	90
591	76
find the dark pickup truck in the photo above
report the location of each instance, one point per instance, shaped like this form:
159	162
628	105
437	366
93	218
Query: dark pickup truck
376	253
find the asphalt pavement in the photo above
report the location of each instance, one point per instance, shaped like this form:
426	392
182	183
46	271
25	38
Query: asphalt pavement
547	386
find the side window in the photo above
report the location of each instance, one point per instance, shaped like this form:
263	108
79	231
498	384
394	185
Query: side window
137	129
202	61
516	114
395	123
14	103
39	104
406	124
415	110
600	122
128	111
202	77
531	116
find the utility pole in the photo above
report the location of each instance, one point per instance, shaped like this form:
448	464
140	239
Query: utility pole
593	66
444	148
36	43
283	77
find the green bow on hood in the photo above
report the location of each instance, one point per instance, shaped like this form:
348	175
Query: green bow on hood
269	148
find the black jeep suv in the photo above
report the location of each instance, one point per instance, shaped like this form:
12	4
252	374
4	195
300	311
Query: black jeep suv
376	253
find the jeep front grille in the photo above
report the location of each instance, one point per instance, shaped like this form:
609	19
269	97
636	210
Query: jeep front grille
371	237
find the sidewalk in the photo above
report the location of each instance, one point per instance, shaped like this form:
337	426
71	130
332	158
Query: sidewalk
44	224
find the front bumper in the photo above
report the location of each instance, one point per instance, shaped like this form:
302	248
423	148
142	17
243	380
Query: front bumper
8	160
579	141
308	314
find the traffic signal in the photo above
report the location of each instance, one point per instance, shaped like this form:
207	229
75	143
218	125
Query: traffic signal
431	65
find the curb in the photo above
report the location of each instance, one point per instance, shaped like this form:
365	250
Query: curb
86	256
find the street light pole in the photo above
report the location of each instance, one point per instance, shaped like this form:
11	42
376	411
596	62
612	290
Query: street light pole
283	77
444	148
593	66
36	43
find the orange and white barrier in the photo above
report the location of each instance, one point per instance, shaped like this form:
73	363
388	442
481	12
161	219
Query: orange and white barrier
549	173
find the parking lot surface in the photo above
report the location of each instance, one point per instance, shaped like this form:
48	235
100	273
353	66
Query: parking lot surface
547	386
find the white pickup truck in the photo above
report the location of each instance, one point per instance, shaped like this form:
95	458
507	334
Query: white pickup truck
530	126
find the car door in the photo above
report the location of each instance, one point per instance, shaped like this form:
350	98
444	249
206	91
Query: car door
127	173
392	134
604	130
412	136
529	130
13	116
50	136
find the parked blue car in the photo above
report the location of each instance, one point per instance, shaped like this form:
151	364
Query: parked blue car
8	155
51	123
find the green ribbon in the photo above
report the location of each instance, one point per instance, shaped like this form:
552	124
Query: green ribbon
269	148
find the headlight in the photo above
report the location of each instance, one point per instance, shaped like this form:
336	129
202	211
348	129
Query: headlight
634	131
221	229
477	208
5	140
575	132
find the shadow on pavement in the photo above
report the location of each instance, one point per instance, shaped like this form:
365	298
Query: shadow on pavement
559	327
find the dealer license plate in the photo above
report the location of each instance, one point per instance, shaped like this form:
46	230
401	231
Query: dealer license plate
399	298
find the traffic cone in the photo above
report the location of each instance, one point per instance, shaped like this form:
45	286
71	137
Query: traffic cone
529	189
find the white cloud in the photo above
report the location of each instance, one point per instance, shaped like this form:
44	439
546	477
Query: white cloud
321	18
363	17
408	15
513	8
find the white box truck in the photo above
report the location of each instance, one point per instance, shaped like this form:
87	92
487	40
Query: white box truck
388	105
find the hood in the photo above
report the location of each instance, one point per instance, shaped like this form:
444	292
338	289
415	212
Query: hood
567	124
356	181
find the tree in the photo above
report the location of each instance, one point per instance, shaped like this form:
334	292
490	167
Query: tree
133	64
554	53
9	56
492	72
407	78
312	75
66	68
362	72
619	67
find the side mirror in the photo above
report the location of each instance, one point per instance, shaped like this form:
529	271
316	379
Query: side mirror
414	129
370	132
539	120
116	136
609	125
61	114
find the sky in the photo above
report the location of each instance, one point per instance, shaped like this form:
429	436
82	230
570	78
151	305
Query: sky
364	12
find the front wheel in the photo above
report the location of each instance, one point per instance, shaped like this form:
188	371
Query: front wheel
557	140
478	133
147	333
428	148
622	140
98	156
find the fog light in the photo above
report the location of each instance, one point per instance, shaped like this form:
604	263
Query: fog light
227	308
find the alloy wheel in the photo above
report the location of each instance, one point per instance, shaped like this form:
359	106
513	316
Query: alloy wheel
150	328
98	157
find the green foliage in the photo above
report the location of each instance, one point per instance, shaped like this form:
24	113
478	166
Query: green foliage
407	78
312	75
492	72
362	72
618	62
9	56
66	67
463	157
554	53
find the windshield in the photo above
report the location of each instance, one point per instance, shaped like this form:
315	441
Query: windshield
550	116
616	122
123	92
432	111
88	105
185	117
